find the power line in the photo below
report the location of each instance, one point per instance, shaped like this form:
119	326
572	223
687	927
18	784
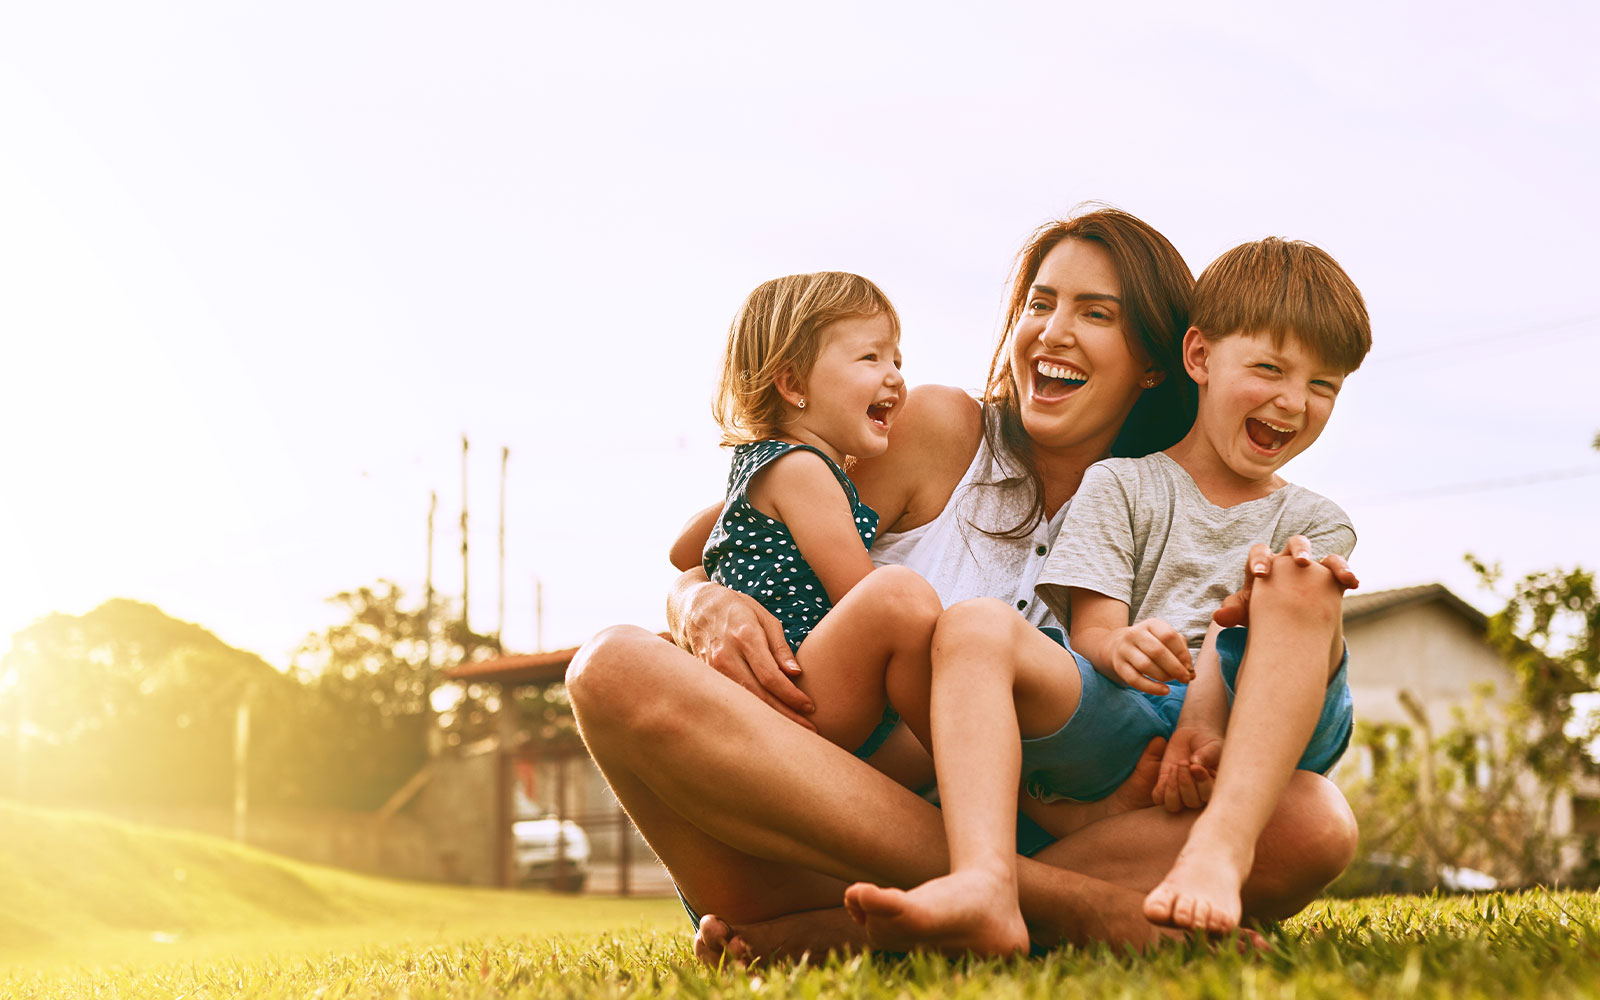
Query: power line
1527	333
1486	485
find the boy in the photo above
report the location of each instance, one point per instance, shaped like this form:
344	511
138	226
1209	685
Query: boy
1150	549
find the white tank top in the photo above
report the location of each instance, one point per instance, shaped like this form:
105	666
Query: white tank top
959	559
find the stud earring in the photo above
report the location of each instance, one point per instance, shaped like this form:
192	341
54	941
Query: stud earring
1150	382
802	403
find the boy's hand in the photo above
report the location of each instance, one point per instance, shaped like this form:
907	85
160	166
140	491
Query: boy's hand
1235	609
1145	654
1188	769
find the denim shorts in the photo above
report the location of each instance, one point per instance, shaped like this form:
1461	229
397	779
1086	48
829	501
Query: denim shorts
1097	749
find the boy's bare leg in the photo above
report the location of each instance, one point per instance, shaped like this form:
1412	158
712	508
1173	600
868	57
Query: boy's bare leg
1281	685
994	677
883	625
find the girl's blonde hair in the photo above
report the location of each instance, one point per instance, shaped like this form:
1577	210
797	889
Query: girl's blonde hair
779	328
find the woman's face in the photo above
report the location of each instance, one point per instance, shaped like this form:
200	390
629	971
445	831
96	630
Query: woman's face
1076	376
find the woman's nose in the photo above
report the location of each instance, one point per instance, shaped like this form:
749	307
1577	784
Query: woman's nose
1059	331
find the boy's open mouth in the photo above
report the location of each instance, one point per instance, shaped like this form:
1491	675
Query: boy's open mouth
1053	381
878	413
1268	436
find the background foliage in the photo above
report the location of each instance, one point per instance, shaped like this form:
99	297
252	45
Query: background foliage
127	705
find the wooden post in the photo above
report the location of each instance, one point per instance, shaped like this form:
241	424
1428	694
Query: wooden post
465	618
433	739
561	823
241	767
500	622
624	852
506	774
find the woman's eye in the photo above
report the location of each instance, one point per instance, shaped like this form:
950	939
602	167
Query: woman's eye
1099	314
1038	305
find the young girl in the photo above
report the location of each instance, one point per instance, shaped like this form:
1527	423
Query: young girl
811	376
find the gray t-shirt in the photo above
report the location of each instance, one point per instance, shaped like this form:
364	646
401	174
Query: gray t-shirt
1139	530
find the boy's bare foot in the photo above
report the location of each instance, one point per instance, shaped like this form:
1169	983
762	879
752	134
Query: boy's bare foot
965	911
1066	817
1201	892
792	936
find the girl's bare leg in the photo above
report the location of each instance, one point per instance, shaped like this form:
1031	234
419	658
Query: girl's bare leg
995	678
884	625
1290	656
758	818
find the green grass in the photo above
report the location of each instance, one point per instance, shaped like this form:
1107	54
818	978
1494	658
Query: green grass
250	924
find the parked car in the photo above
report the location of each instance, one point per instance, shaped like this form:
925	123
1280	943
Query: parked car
539	840
1388	873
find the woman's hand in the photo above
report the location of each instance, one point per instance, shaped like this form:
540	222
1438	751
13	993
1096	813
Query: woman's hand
1235	610
740	640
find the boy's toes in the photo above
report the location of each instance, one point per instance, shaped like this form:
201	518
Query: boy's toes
1158	905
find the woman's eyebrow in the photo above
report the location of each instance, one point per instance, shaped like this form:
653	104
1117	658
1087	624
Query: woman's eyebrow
1096	297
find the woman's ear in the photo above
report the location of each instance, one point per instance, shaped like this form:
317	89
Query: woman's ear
1195	355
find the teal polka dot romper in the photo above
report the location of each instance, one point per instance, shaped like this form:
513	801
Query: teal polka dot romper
755	554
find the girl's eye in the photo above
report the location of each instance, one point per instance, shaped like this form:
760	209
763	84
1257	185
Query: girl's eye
869	357
1325	385
1267	367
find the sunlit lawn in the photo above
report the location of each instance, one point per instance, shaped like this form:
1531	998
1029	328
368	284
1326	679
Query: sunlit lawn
372	938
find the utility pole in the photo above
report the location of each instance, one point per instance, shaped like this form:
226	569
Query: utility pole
538	615
500	622
466	620
434	742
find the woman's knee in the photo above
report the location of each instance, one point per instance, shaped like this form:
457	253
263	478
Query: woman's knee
1310	842
604	676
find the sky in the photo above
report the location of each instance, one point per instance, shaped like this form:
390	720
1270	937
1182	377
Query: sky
262	265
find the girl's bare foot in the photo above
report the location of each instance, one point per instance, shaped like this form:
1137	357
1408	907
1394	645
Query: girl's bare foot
965	911
1201	892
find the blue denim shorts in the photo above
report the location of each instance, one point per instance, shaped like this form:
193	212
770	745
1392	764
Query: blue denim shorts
1097	749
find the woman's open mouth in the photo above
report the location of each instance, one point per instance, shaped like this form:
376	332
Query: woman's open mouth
1268	436
1052	381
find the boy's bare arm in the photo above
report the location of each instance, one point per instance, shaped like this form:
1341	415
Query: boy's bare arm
1140	656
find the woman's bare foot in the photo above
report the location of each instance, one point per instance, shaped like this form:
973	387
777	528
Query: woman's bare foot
965	911
1201	892
792	936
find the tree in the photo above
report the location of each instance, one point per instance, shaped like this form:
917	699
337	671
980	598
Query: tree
127	704
1485	793
371	680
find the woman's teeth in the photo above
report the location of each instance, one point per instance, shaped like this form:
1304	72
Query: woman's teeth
1062	372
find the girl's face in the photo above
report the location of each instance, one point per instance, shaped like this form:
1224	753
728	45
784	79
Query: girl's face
1077	377
854	390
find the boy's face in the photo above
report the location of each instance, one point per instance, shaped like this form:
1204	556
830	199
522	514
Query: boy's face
1260	404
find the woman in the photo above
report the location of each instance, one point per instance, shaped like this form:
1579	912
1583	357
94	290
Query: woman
764	823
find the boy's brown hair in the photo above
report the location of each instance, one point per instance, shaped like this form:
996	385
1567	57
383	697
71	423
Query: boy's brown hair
778	328
1284	288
